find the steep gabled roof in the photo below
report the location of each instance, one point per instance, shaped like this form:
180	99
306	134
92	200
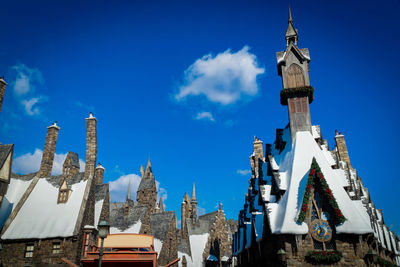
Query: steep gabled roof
130	223
295	164
4	152
41	216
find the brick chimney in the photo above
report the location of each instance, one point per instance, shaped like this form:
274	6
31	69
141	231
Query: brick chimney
99	174
48	152
91	146
3	85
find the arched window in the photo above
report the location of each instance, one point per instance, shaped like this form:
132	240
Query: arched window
295	76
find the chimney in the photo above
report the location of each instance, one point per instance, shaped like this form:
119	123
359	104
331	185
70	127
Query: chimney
99	174
91	146
3	85
48	152
258	148
342	148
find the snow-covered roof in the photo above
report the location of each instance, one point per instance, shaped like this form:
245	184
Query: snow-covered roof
295	163
16	189
42	217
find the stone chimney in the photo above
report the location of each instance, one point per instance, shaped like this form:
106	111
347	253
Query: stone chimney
258	148
99	174
91	146
342	148
3	85
48	152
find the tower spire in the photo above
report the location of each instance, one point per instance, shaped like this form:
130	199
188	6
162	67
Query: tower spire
291	32
194	192
128	194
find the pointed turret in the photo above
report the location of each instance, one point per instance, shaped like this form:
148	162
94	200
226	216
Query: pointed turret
148	169
147	191
128	194
194	192
161	205
291	32
141	171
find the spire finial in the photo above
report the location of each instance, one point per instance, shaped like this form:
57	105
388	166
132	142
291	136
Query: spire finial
194	192
291	32
290	15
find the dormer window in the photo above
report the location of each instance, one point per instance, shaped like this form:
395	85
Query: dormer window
63	192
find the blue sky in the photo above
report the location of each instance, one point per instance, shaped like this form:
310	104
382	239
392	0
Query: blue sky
189	83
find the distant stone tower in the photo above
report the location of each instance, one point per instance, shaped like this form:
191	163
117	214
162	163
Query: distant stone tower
46	165
3	85
297	93
147	191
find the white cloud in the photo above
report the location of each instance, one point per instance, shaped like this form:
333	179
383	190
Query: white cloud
30	162
243	172
24	87
205	115
119	188
223	79
26	79
28	104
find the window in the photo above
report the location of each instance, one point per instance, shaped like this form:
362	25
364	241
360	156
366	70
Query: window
62	196
29	250
56	247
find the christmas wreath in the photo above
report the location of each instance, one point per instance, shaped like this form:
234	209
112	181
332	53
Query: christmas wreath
314	175
297	92
324	257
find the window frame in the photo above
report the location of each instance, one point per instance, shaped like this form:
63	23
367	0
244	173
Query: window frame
29	249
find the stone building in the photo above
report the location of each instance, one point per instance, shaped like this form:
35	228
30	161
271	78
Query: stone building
46	218
204	240
146	216
306	204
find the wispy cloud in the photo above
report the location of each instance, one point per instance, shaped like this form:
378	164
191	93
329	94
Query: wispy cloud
205	115
24	88
224	79
243	172
26	79
30	162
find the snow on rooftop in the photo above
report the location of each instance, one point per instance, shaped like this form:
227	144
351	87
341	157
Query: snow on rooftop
197	246
41	217
97	211
296	164
265	192
341	175
316	131
387	237
133	229
15	191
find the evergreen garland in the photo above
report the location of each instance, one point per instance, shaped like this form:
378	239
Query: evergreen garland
315	173
323	257
297	91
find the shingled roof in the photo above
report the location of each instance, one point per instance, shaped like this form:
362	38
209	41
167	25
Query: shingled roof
121	222
159	223
4	152
74	158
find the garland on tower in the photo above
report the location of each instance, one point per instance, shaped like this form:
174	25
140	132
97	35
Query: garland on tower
297	92
314	175
324	257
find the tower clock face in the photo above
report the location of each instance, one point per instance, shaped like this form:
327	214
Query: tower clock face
321	231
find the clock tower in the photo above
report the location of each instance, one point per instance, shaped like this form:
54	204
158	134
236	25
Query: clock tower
297	94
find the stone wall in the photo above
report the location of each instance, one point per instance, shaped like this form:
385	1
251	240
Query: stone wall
169	251
220	241
48	152
13	253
